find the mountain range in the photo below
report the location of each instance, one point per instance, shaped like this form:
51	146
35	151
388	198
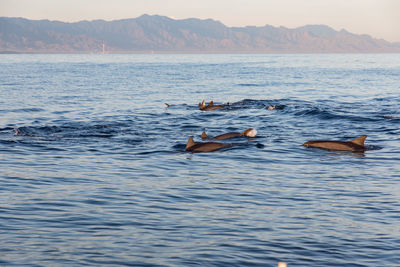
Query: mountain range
162	34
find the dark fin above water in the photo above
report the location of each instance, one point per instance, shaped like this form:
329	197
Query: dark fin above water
190	143
359	140
202	104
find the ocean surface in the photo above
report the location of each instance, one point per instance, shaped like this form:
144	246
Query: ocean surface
93	168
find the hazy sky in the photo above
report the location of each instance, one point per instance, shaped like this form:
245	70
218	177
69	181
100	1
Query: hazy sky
379	18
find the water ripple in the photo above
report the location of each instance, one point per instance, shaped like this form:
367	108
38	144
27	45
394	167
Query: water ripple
93	168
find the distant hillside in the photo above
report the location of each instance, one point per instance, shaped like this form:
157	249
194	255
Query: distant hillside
163	34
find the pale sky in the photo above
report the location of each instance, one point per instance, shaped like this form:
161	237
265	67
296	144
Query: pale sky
378	18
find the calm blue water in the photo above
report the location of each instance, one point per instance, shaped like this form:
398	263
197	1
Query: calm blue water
93	170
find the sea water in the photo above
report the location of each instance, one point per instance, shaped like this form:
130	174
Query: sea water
93	168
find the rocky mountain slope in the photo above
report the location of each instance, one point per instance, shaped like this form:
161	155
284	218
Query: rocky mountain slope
162	34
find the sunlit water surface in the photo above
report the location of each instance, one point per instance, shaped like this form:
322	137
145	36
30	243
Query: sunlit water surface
93	170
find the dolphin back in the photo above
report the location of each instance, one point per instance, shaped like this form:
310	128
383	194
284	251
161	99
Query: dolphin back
353	145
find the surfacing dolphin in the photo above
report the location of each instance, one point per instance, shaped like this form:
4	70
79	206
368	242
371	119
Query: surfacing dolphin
247	133
204	147
353	145
210	106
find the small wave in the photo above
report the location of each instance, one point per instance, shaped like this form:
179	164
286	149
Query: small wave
72	130
153	152
132	141
250	84
373	147
36	131
392	118
22	110
326	113
8	142
6	129
61	112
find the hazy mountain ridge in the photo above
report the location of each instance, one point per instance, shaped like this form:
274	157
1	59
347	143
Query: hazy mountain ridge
162	34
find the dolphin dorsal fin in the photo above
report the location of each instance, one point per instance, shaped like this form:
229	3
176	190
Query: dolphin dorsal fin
211	103
190	142
204	135
359	140
203	104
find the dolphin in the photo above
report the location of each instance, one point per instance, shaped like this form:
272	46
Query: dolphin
247	133
202	104
353	145
204	147
210	106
